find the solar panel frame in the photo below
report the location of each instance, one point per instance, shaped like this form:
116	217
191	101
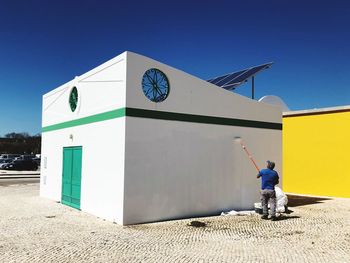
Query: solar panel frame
230	81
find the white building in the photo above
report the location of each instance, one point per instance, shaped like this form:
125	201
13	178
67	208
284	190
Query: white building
111	151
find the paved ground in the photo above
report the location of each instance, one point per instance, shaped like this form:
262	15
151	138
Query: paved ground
9	173
33	229
17	180
19	177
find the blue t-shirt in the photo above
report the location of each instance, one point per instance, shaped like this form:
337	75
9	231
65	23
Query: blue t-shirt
269	178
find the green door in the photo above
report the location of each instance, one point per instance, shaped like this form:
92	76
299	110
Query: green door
71	177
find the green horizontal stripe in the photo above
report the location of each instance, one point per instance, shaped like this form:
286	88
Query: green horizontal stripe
163	115
87	120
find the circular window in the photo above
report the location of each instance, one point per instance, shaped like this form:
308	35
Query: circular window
155	85
73	99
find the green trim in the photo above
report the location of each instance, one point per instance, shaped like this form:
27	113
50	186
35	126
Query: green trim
87	120
163	115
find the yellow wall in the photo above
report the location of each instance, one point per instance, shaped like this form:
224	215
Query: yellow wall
316	154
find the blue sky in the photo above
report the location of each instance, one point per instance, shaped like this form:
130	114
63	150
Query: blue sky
44	44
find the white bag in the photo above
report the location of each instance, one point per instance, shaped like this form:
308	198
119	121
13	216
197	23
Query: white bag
281	200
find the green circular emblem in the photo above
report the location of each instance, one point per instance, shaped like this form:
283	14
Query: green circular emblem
155	85
73	99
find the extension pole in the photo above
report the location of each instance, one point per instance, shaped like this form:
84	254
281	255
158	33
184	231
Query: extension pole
248	154
253	87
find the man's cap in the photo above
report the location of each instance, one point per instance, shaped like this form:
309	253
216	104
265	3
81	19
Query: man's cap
271	164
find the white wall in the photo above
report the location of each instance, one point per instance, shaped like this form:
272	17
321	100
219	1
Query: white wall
101	89
177	169
192	95
102	182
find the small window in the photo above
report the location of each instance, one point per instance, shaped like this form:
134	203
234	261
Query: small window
155	85
73	99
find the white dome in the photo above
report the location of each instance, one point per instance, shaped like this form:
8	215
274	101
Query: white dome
275	100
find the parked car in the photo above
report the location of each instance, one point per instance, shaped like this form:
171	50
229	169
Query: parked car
20	165
6	156
37	160
4	161
27	156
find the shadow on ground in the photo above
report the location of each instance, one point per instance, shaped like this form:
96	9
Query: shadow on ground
297	200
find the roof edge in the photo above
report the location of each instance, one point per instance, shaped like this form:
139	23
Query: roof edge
317	111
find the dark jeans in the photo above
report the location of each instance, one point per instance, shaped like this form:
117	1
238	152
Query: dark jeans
266	196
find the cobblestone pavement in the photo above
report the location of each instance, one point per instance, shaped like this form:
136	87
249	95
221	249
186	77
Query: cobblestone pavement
34	229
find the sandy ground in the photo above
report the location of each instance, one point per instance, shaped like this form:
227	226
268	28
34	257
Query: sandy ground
34	229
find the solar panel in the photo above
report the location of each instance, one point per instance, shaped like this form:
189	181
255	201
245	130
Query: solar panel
231	86
232	80
249	73
216	80
229	78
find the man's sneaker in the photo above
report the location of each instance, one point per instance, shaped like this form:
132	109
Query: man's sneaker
265	217
273	218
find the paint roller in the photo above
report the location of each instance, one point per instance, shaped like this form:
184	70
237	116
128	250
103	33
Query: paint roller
240	141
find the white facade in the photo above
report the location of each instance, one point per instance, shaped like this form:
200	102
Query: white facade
157	161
